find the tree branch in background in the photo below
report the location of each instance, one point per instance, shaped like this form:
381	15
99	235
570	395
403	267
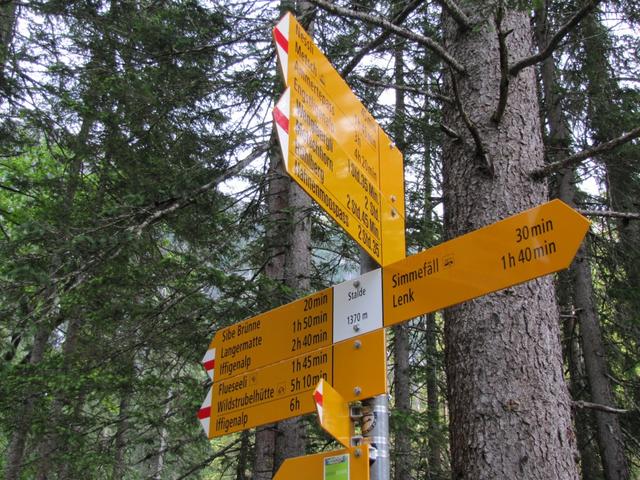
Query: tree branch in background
481	152
450	132
429	43
376	42
555	40
597	406
504	65
178	203
579	157
406	88
464	23
609	213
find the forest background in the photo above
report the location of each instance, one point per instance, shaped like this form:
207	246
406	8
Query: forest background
143	207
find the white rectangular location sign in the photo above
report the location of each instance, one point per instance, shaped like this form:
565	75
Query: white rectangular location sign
357	306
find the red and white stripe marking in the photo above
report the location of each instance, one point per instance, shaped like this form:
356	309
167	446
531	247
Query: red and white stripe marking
281	37
281	113
204	414
317	396
209	362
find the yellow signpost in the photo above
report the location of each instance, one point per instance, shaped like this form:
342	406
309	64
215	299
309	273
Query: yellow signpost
275	359
530	244
284	389
265	369
347	464
335	150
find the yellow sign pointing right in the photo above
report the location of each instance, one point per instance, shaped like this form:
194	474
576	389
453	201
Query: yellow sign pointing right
533	243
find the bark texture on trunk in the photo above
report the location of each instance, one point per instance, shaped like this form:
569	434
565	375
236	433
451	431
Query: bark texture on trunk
510	407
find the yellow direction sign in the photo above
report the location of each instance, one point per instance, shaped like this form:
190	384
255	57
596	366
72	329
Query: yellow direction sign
284	390
530	244
335	150
293	329
347	464
318	320
333	413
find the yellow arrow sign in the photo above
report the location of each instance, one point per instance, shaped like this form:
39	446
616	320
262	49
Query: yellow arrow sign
347	464
333	413
293	329
335	150
533	243
284	390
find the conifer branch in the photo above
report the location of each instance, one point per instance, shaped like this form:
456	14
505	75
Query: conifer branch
504	65
610	213
481	152
598	406
387	25
555	40
406	88
176	204
376	42
450	132
464	23
579	157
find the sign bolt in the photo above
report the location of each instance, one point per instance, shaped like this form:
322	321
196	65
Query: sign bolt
356	284
357	344
356	328
357	391
357	453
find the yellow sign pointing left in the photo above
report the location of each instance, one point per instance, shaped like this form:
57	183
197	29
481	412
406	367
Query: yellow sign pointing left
284	389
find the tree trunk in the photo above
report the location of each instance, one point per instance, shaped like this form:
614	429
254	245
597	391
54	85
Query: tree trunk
15	449
610	438
51	441
510	408
289	243
401	379
558	143
8	15
243	457
434	458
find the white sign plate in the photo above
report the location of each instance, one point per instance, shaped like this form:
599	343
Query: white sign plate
357	306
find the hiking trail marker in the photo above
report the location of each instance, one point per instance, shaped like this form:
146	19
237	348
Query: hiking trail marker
285	389
328	349
318	335
335	150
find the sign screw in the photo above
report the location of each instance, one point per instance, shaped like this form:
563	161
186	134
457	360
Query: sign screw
357	344
357	391
357	453
356	328
356	284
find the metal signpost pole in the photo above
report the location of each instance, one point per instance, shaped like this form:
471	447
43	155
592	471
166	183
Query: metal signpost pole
375	424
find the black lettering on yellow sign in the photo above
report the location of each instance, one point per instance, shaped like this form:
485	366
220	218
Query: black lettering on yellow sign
322	196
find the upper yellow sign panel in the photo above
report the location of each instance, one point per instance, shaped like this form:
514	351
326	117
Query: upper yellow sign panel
335	150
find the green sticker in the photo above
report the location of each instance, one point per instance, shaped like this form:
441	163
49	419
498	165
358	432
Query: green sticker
336	468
